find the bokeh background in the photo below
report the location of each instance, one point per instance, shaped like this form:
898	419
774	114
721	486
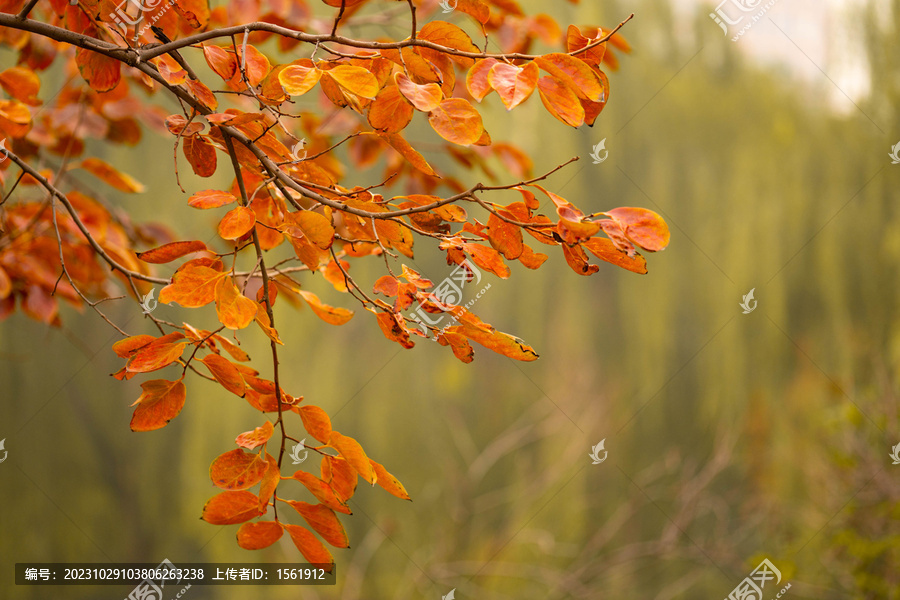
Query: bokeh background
731	437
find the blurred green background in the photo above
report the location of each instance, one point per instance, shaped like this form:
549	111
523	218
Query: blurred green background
731	437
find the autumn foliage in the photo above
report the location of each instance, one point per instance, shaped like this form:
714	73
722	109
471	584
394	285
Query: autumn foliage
292	209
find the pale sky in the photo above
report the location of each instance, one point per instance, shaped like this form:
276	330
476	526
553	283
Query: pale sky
812	37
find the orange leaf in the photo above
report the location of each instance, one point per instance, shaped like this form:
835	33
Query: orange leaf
488	259
231	508
235	311
561	101
505	238
394	329
298	79
192	286
578	260
222	62
160	402
237	470
203	94
194	12
178	125
356	80
257	66
322	491
22	84
235	351
310	547
425	97
256	536
457	121
574	73
314	227
353	454
532	259
329	314
390	111
451	36
323	520
237	222
477	78
127	347
171	251
226	373
575	40
101	72
398	143
210	199
604	249
476	8
201	155
389	482
501	343
269	483
111	176
262	319
643	227
256	438
513	84
316	422
340	476
158	354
